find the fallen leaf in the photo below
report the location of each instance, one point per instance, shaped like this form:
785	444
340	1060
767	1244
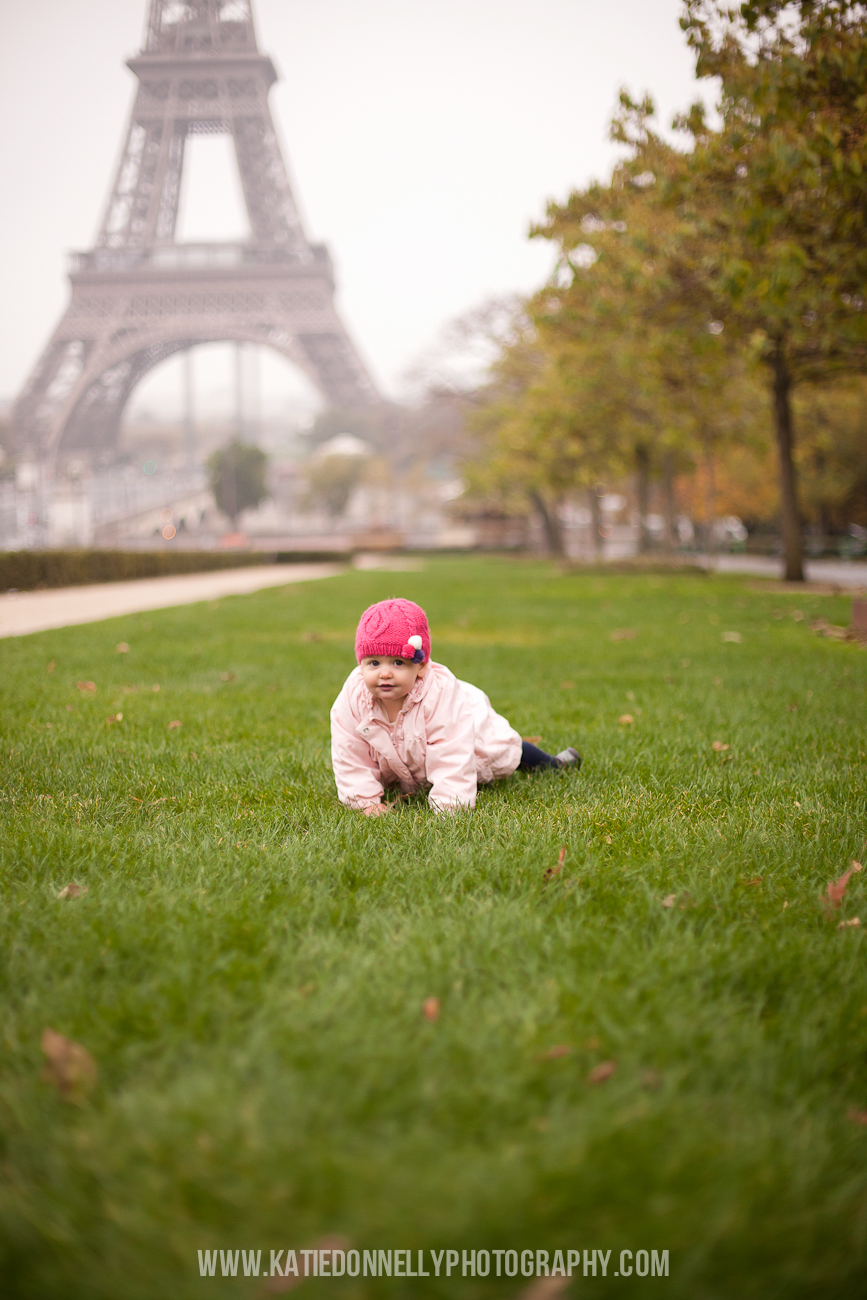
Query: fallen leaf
567	686
554	1053
791	708
846	925
227	677
857	1116
555	871
837	888
115	717
545	1288
668	901
624	634
278	1285
532	740
626	719
651	1079
431	1008
51	666
601	1072
72	890
756	880
719	747
122	648
86	686
68	1065
173	725
732	636
310	636
156	686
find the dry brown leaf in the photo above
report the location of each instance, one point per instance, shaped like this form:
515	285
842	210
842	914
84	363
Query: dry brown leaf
626	719
602	1071
280	1285
837	888
624	634
668	901
122	648
857	1116
719	747
555	871
156	686
68	1065
532	740
86	686
431	1008
227	677
754	880
545	1288
115	717
50	667
72	890
846	925
554	1053
173	725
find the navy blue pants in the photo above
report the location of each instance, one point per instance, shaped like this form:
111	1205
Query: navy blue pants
533	758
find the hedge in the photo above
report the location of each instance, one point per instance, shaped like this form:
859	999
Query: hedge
28	570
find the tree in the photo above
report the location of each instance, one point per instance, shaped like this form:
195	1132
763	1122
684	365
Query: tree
772	204
236	475
331	480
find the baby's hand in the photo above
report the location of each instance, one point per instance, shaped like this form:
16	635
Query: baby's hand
375	809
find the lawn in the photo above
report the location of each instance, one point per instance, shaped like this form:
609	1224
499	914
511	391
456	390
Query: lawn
250	963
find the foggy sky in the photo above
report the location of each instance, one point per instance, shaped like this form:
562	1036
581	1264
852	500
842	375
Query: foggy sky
422	138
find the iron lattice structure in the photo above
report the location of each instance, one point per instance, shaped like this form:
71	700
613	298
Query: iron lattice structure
138	296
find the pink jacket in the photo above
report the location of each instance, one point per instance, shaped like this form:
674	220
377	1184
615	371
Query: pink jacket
446	736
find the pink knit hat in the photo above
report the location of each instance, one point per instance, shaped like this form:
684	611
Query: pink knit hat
393	627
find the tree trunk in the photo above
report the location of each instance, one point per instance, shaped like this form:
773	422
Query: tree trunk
642	468
596	525
710	499
550	523
790	515
668	492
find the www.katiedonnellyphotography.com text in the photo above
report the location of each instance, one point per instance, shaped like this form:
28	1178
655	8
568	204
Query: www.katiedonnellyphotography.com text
334	1262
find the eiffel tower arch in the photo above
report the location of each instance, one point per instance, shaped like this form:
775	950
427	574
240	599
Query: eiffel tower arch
138	296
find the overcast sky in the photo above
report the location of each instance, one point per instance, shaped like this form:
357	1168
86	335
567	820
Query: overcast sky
422	138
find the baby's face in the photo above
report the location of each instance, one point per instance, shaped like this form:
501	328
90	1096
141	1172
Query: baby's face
390	678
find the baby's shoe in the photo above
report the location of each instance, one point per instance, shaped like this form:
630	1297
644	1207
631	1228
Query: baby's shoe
569	758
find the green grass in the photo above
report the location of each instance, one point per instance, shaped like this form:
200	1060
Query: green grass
249	964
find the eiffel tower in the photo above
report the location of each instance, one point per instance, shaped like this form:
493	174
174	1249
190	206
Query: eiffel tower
138	296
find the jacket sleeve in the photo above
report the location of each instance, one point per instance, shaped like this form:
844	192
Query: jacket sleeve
450	761
356	772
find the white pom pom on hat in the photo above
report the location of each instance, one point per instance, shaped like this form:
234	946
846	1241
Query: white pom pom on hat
414	641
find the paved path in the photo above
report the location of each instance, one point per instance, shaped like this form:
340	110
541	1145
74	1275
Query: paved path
37	611
845	573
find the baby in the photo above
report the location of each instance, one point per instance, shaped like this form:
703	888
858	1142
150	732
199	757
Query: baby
401	719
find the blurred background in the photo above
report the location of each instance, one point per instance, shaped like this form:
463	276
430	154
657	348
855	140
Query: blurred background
422	142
